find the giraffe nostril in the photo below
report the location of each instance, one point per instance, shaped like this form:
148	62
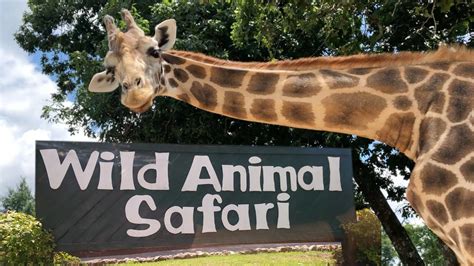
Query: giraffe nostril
138	81
125	87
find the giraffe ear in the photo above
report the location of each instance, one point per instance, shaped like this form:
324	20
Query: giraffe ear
165	34
103	82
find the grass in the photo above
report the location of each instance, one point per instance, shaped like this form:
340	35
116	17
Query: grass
281	258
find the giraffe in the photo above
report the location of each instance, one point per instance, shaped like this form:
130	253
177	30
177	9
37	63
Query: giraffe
420	103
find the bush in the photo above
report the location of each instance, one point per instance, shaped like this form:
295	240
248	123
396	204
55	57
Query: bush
366	234
63	258
24	241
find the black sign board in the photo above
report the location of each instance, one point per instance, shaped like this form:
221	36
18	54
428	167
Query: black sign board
104	196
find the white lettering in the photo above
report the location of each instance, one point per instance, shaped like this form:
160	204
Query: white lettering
316	178
187	218
208	209
105	178
261	214
255	174
161	173
126	161
132	213
243	220
334	174
283	211
269	178
56	170
193	179
228	172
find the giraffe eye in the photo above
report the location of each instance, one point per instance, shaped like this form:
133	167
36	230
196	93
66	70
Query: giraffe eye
153	51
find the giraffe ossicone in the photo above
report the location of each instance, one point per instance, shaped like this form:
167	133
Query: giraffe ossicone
420	103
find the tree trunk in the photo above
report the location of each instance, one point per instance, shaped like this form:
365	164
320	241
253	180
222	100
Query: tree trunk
394	229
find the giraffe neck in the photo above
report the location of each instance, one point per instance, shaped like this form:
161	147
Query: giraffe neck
376	103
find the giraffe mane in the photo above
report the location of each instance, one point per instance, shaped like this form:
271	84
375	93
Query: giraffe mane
444	53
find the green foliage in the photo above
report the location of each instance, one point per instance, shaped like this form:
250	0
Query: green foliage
63	258
24	241
425	241
19	199
389	254
366	233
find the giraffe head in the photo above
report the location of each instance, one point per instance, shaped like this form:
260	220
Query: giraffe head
134	61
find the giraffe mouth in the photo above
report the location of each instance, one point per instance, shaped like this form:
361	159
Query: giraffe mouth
138	101
141	109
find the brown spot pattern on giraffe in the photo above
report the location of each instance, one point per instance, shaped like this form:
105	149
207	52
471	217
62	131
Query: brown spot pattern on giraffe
173	83
459	109
402	103
167	68
227	77
460	203
461	104
352	110
359	71
439	65
433	225
464	70
436	180
301	86
264	109
467	170
398	130
428	94
184	97
458	143
338	80
197	71
387	81
415	74
431	129
467	232
180	75
234	104
460	88
205	95
415	201
263	83
438	211
174	60
299	113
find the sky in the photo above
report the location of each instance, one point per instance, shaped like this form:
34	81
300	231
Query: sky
24	90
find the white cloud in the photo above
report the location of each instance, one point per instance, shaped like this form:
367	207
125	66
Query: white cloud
23	93
11	12
24	90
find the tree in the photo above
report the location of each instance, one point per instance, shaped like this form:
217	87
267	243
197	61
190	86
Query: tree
426	242
19	199
73	43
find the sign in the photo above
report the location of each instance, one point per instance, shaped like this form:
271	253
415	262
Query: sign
104	196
